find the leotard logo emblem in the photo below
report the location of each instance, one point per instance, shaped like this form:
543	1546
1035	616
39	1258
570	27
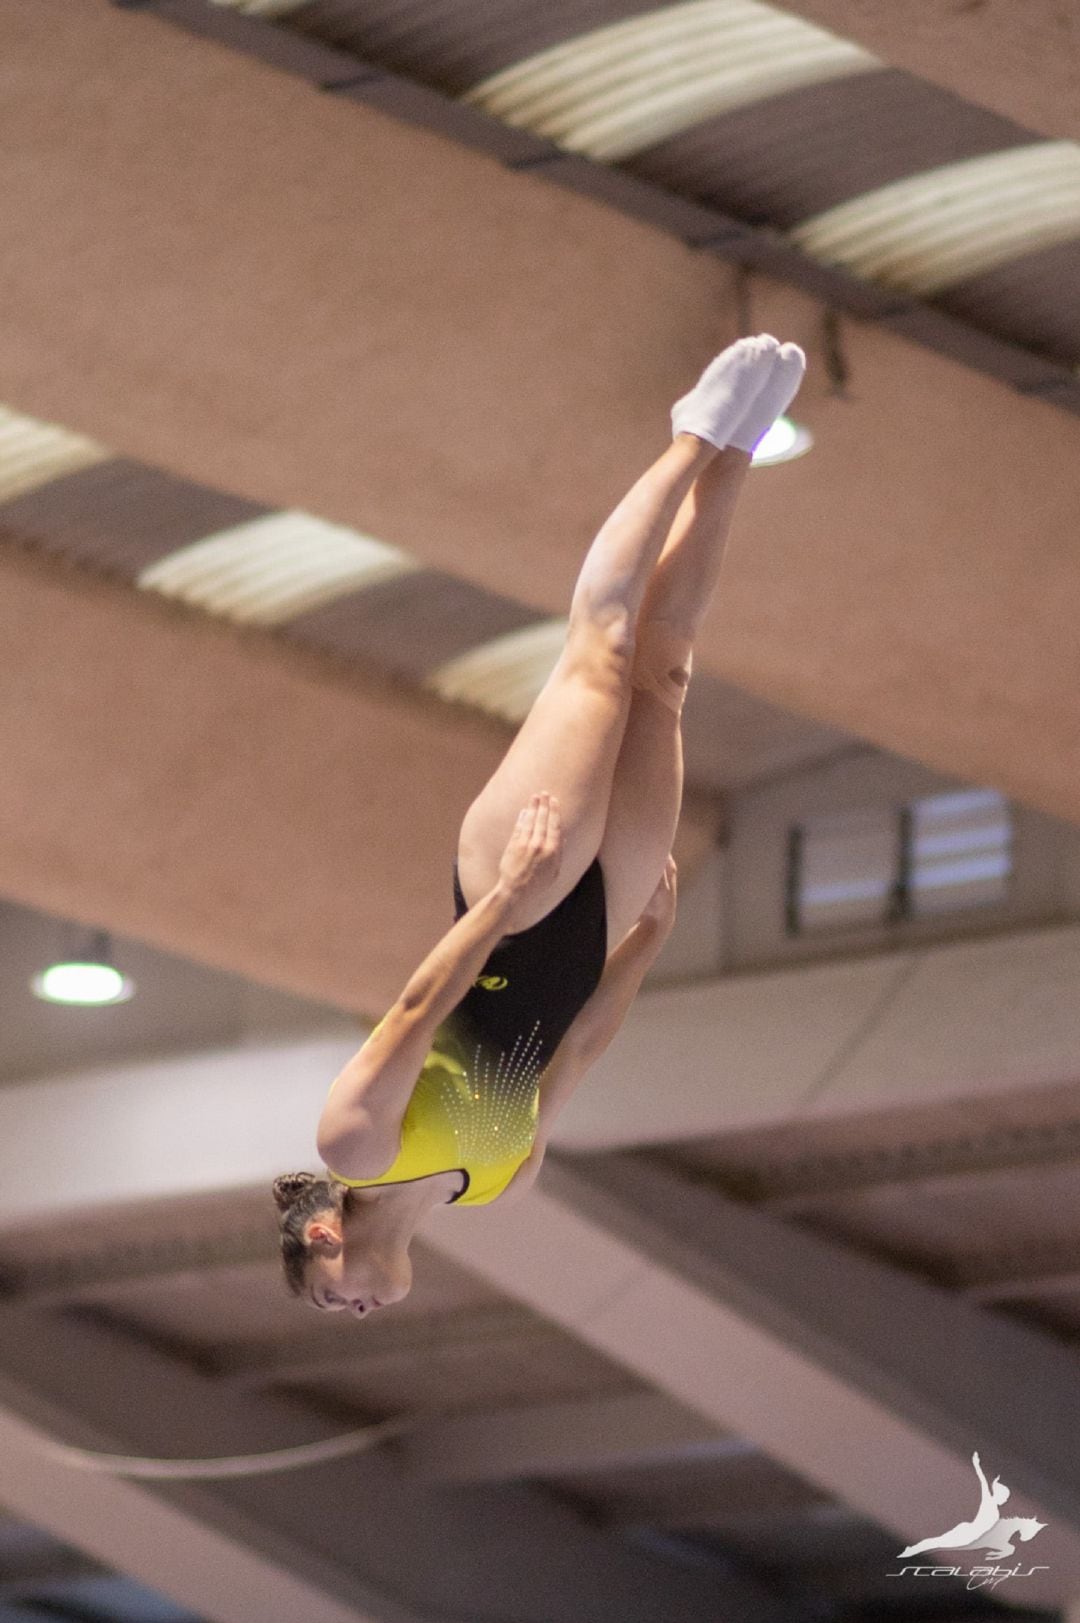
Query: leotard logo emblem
491	983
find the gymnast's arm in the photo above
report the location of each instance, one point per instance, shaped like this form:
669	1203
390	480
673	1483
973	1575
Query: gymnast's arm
600	1019
360	1127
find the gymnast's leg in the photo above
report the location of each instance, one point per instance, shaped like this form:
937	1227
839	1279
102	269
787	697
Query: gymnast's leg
646	792
571	738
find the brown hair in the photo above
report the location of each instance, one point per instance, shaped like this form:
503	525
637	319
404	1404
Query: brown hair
298	1197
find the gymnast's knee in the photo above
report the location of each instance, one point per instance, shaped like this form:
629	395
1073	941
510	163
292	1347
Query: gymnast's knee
662	662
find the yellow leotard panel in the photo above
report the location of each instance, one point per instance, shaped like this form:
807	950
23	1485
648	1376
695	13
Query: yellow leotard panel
481	1123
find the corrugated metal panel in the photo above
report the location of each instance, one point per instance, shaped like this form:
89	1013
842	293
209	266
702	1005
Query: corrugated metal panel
503	677
272	568
411	624
625	87
262	36
33	452
798	154
773	164
139	522
1022	301
260	8
932	230
453	44
121	516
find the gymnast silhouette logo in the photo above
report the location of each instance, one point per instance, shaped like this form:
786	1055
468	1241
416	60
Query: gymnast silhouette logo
987	1530
491	983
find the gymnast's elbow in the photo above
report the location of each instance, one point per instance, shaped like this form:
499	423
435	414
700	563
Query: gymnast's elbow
354	1148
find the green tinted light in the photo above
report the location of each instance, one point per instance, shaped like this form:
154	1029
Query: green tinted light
783	442
85	984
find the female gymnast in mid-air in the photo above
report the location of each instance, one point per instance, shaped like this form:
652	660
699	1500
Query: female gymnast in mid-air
564	884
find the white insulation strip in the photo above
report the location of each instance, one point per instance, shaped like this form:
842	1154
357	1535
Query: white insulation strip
33	453
271	569
935	229
505	675
623	88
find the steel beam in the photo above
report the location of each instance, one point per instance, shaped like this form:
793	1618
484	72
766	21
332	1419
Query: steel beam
349	1540
872	1385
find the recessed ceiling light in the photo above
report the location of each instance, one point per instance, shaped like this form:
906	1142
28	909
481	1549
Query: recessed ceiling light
88	978
85	984
784	442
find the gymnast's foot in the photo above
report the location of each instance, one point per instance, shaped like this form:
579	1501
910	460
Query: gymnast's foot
741	393
772	399
728	387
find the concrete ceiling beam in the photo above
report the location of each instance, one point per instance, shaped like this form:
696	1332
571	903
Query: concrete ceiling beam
872	1385
952	1020
673	1282
209	791
400	361
359	1539
173	1550
151	1141
734	1053
224	794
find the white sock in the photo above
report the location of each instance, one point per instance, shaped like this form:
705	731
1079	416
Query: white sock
716	406
775	395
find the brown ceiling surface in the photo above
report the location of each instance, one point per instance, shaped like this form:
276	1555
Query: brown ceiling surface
770	164
118	517
898	582
211	792
1021	61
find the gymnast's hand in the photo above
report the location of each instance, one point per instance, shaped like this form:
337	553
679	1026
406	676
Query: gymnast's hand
659	911
531	861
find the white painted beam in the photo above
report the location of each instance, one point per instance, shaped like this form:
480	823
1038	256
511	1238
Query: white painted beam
975	1017
168	1548
870	1384
216	1119
398	1549
949	1021
805	1360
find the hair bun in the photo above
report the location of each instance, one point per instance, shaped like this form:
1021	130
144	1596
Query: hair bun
291	1186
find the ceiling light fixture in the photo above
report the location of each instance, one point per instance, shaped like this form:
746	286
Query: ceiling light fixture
784	441
88	981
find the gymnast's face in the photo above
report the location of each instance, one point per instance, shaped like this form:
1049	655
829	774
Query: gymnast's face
347	1275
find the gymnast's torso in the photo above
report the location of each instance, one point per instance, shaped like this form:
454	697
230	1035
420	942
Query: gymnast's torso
475	1103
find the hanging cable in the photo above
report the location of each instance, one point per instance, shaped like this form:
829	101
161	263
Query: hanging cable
152	1468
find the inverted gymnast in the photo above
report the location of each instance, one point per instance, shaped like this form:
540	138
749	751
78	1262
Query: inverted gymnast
564	884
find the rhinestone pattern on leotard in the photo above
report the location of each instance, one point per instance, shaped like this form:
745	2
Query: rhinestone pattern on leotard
493	1115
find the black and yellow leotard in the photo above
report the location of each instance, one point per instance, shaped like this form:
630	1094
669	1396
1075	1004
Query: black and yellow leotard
474	1106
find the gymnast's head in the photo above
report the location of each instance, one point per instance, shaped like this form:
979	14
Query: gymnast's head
343	1250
